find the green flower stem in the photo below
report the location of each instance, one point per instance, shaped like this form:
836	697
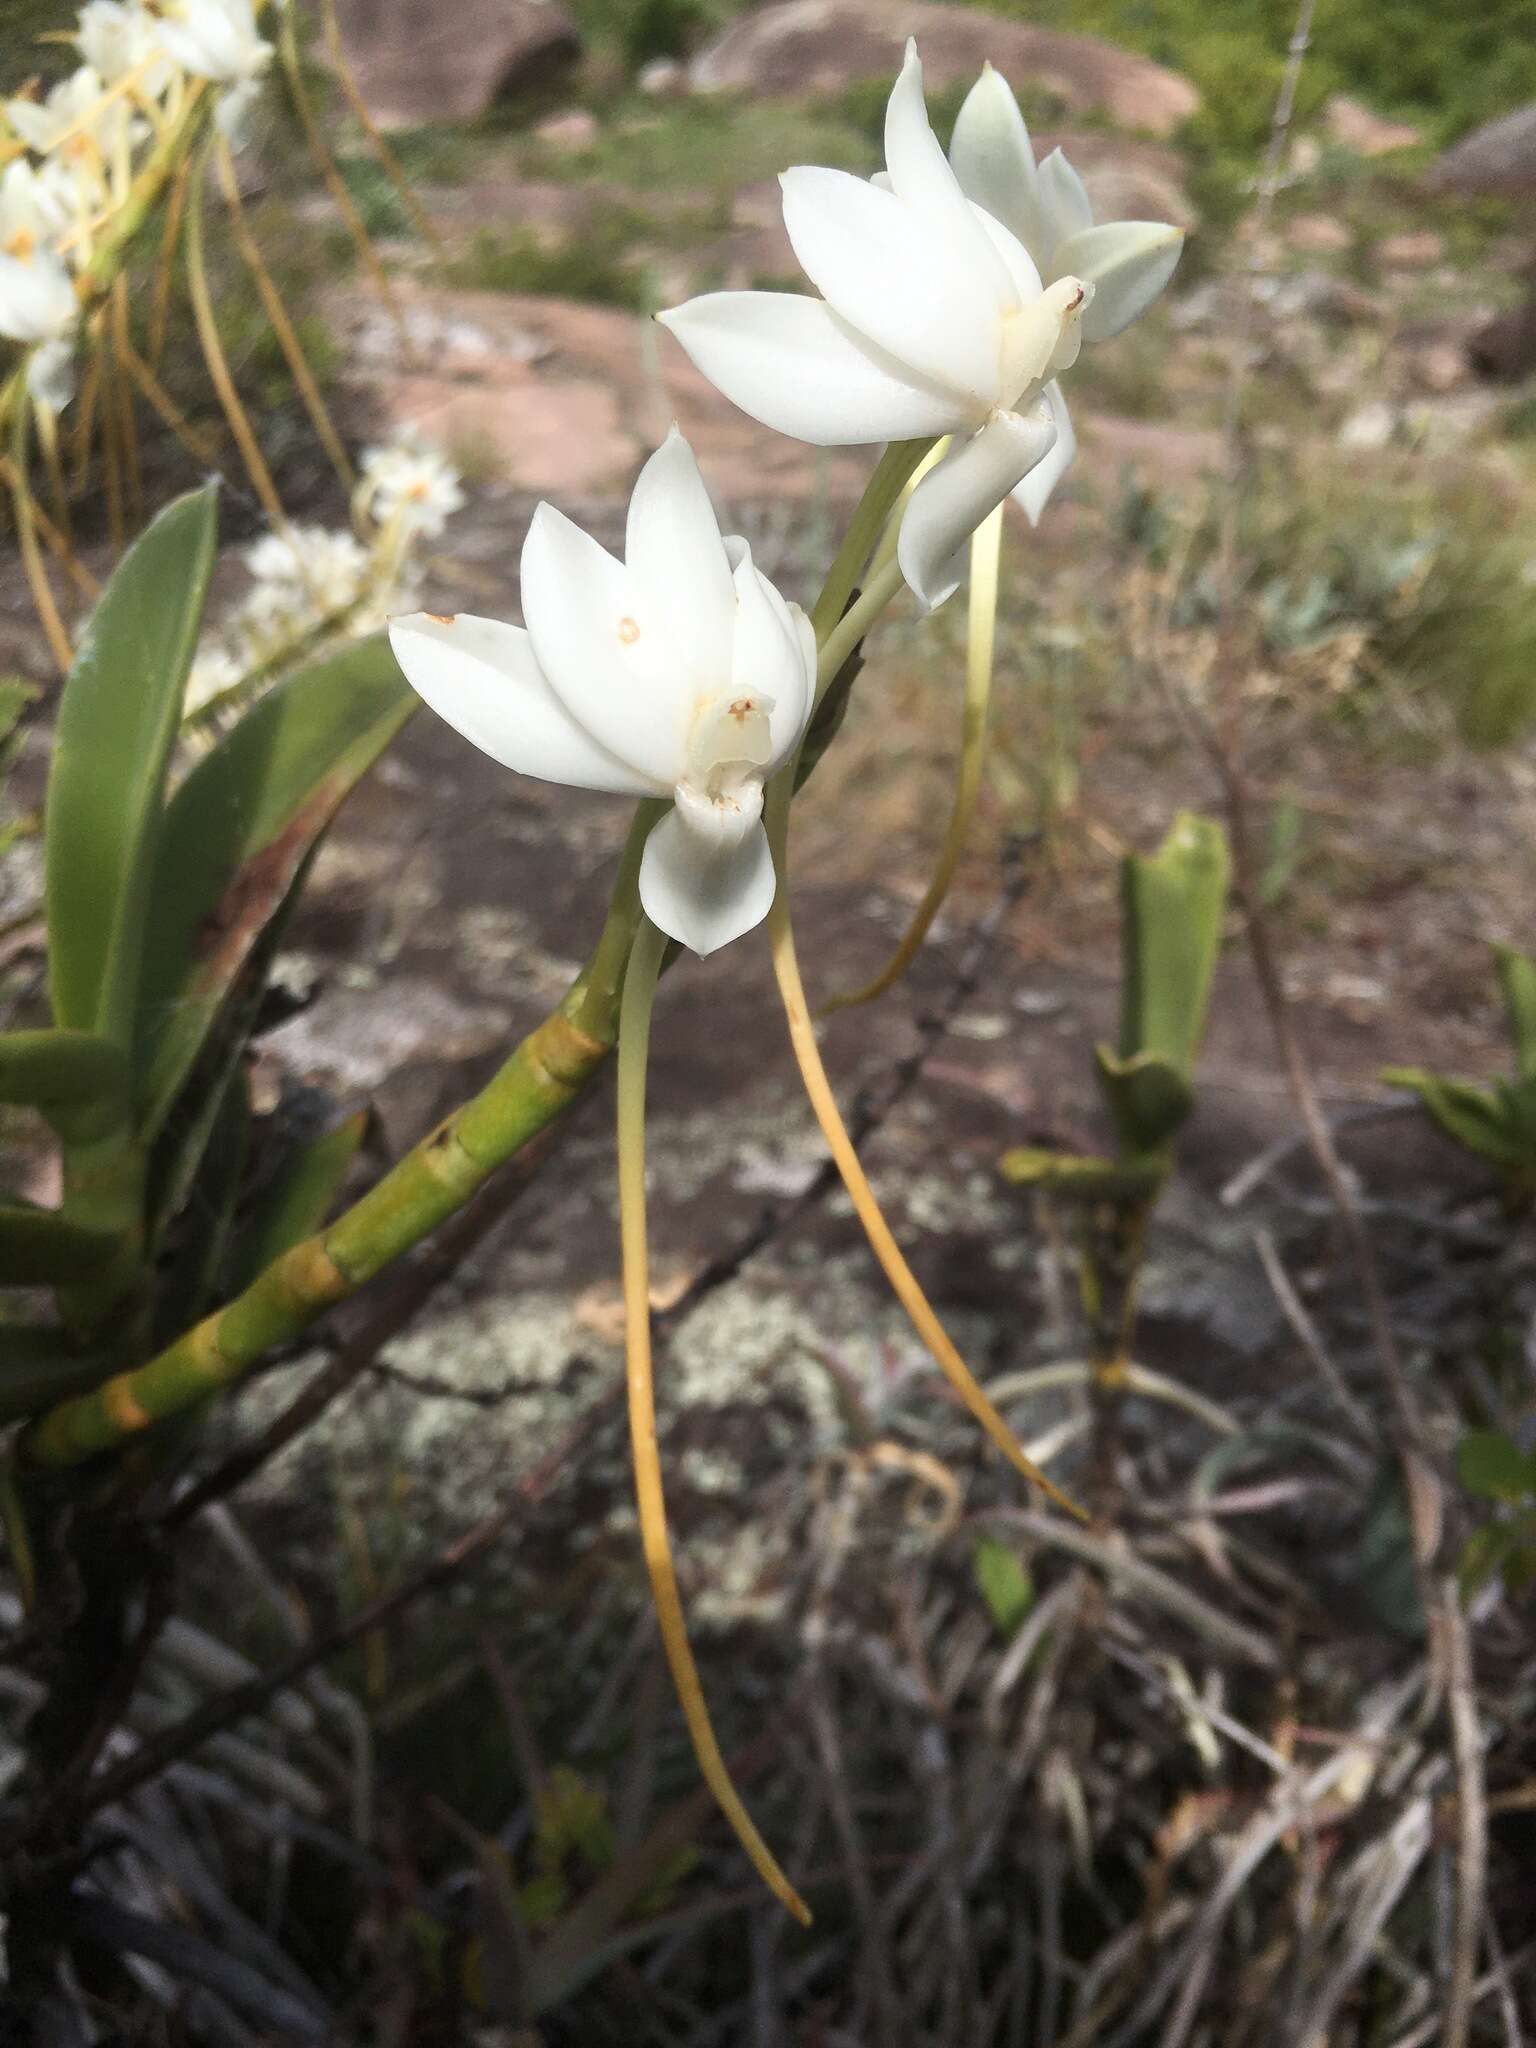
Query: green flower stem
544	1074
853	624
863	535
986	547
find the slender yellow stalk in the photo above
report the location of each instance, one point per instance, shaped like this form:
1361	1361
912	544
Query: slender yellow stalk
31	555
59	542
58	490
165	263
122	391
162	402
111	466
85	410
287	336
126	84
903	1281
325	163
370	127
986	545
634	1045
218	366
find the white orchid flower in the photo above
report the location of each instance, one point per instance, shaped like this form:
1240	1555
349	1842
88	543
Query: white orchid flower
1047	208
116	37
37	298
215	39
77	120
415	485
933	320
679	672
51	373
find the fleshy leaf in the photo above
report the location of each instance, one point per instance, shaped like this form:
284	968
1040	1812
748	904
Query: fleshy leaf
1004	1584
1517	977
1172	906
40	1248
236	834
75	1078
1149	1098
1475	1117
1493	1466
118	718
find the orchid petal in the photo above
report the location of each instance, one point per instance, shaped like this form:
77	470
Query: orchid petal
1021	266
921	178
995	161
608	659
705	896
792	363
676	562
1065	208
37	300
1039	482
769	657
482	678
898	279
953	499
1128	262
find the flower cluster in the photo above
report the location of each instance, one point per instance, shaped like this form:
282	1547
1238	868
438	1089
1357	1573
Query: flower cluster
955	292
313	582
75	154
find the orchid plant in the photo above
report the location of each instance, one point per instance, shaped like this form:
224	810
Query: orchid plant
955	293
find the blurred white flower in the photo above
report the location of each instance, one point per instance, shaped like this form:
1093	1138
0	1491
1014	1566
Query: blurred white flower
77	120
35	200
310	564
37	299
933	320
213	672
51	373
215	39
1047	208
415	485
232	115
678	672
115	37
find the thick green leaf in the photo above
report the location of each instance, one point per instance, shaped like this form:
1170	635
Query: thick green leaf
1475	1117
1493	1466
298	1200
1149	1098
16	693
202	1238
74	1077
40	1248
1517	978
1172	903
176	1158
1004	1584
118	718
236	834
